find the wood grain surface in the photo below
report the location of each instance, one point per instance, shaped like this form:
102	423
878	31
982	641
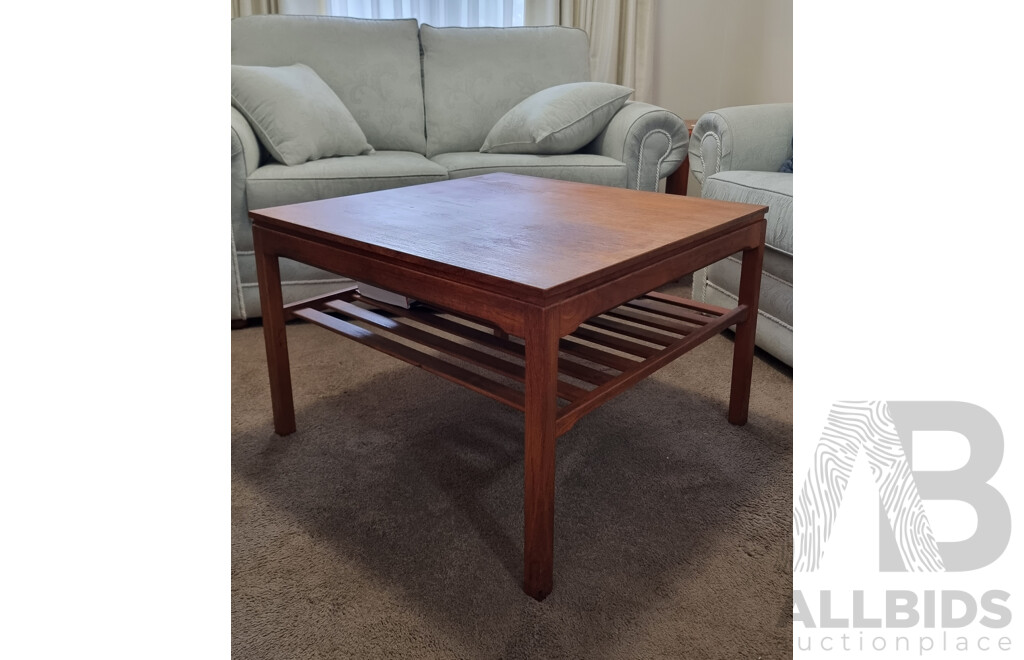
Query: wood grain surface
541	235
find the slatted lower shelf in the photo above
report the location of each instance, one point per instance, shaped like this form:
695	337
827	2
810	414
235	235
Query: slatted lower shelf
604	356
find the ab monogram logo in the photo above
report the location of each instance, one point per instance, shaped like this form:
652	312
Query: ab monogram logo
882	431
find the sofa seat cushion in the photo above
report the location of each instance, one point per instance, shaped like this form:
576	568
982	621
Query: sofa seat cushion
583	168
772	189
276	185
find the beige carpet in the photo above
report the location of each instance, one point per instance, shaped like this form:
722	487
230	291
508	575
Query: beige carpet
390	524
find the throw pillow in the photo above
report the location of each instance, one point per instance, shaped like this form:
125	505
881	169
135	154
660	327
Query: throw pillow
787	165
295	114
557	120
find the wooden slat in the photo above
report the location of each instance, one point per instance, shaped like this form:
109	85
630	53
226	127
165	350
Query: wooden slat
615	342
435	365
652	336
437	342
571	413
593	354
705	308
461	351
671	311
583	372
433	309
451	327
568	367
659	322
319	301
566	391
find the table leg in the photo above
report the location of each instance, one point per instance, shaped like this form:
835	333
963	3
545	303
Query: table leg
539	454
268	274
743	348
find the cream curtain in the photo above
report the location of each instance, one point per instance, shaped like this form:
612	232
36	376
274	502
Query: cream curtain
621	37
250	7
459	13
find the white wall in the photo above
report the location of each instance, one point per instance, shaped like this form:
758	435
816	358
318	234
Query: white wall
718	53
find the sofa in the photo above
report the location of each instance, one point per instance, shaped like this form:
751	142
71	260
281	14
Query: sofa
745	154
426	100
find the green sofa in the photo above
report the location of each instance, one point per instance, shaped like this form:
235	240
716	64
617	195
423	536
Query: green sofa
426	99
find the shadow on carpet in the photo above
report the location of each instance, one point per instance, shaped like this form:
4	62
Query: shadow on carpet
390	524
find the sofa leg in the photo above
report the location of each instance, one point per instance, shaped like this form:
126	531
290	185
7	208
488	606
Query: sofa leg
676	182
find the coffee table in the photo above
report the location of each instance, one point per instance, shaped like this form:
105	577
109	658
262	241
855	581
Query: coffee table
538	293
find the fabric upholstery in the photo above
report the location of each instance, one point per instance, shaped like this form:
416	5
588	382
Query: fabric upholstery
773	189
584	168
473	76
245	156
244	143
749	137
237	298
736	154
372	65
295	114
651	141
557	120
787	165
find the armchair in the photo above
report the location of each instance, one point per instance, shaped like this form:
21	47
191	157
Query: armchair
736	154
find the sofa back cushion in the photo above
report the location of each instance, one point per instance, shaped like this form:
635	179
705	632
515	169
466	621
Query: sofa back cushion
473	76
372	65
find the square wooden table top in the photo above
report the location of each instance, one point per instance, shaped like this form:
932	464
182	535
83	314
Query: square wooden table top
522	236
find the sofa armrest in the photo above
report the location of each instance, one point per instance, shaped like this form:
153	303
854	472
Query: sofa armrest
748	137
245	158
651	141
243	143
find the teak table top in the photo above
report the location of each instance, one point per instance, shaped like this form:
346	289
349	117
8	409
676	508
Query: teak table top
532	239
